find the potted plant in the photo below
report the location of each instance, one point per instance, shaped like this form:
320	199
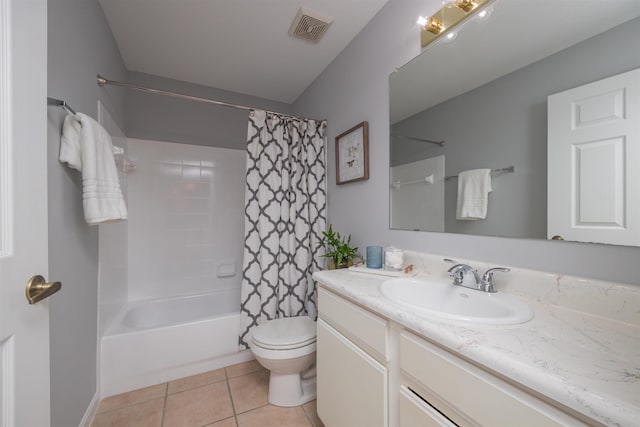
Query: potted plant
339	250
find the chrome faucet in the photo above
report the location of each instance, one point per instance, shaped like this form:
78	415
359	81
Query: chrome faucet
466	276
463	274
488	283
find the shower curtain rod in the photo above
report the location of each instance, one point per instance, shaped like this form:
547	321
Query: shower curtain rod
103	81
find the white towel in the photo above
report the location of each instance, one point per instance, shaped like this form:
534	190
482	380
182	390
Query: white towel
474	187
86	146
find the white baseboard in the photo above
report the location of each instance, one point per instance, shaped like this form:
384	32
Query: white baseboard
90	413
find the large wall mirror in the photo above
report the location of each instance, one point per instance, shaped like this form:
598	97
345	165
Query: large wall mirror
478	100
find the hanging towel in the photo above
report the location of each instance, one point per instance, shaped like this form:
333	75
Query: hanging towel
474	187
86	146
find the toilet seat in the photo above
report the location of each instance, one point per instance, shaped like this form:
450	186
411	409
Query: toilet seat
285	334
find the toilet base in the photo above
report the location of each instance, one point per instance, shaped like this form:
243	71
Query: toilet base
291	389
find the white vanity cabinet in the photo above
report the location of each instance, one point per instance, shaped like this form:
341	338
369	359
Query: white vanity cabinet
374	372
352	352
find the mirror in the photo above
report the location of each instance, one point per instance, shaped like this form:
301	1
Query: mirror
480	101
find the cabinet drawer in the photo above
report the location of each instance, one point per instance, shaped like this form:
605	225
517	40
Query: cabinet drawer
473	392
359	325
415	412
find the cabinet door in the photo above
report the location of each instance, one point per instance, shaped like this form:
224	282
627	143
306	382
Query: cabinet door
352	386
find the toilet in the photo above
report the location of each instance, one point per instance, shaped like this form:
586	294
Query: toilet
287	348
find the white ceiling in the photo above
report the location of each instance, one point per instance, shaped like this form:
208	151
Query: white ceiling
237	45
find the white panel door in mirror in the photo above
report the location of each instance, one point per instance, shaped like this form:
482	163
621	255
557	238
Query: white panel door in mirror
593	140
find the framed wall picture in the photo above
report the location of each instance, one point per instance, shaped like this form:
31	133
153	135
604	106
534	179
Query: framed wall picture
352	154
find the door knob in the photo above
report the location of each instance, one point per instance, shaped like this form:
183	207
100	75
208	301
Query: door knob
38	289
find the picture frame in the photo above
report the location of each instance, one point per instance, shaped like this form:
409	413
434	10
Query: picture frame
352	154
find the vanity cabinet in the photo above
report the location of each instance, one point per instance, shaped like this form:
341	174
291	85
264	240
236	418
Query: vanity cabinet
352	376
374	372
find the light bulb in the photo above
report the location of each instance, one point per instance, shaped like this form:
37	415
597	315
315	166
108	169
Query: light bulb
422	21
484	13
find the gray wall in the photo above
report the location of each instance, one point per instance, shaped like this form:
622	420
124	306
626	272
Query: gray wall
80	45
163	118
355	88
511	129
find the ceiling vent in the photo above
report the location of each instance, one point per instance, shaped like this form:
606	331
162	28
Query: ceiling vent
309	25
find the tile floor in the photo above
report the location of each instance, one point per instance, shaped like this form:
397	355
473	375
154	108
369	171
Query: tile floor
235	396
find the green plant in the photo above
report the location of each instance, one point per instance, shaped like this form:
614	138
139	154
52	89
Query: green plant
339	248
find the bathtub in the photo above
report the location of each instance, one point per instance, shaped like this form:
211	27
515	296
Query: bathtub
155	341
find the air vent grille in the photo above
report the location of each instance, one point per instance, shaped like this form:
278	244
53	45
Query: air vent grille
309	25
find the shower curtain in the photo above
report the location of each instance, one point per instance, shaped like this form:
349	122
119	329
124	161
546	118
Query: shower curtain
285	214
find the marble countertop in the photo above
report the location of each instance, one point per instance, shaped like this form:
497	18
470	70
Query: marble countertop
586	362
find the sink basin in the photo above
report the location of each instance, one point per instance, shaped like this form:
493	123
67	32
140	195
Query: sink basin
441	299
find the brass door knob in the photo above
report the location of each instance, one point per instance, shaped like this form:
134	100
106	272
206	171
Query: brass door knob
38	289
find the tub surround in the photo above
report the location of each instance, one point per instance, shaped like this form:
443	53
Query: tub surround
581	349
173	309
186	219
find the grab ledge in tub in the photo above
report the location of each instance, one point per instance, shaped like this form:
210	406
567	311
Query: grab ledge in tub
227	269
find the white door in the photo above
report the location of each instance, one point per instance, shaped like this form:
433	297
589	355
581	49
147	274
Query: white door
24	328
593	162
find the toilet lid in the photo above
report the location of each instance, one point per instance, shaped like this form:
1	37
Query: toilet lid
288	332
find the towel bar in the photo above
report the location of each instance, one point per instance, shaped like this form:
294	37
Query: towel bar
505	170
60	103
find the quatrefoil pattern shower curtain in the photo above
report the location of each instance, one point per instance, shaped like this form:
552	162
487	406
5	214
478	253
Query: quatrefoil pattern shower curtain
285	214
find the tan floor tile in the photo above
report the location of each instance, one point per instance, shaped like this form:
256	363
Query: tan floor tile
274	416
243	368
249	391
195	381
311	409
198	406
229	422
132	397
146	414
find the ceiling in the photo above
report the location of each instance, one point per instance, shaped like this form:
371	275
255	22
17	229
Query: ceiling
236	45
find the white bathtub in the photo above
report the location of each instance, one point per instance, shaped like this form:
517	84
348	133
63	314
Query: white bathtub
155	341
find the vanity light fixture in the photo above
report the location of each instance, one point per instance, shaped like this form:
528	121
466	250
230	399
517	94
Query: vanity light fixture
431	24
450	15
